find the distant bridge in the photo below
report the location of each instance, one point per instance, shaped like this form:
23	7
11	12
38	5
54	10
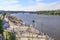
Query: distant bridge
17	12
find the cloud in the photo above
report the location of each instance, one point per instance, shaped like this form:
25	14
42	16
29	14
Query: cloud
43	6
9	5
38	0
14	5
8	1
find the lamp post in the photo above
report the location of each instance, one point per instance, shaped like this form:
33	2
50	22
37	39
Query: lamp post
34	25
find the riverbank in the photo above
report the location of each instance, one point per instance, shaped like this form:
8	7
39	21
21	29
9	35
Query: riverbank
45	23
26	32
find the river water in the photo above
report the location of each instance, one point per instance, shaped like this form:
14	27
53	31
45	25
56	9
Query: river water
48	24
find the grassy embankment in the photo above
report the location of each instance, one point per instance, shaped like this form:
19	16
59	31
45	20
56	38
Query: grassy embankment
10	36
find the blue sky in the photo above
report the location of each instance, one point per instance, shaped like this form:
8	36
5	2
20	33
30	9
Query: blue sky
29	5
32	2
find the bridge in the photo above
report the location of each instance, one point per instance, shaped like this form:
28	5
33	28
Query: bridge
17	12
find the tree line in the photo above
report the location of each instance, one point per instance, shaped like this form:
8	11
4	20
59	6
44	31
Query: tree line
51	12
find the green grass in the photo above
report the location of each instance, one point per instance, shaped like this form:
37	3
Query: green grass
10	36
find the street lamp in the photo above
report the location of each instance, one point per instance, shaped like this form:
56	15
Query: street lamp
34	25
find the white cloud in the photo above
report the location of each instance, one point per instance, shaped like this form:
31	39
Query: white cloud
8	1
13	5
44	6
9	5
38	0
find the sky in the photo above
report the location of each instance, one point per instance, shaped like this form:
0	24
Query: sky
29	5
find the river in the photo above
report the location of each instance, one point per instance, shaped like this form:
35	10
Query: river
48	24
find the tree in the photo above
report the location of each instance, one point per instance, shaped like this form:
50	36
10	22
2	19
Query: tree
1	26
4	14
